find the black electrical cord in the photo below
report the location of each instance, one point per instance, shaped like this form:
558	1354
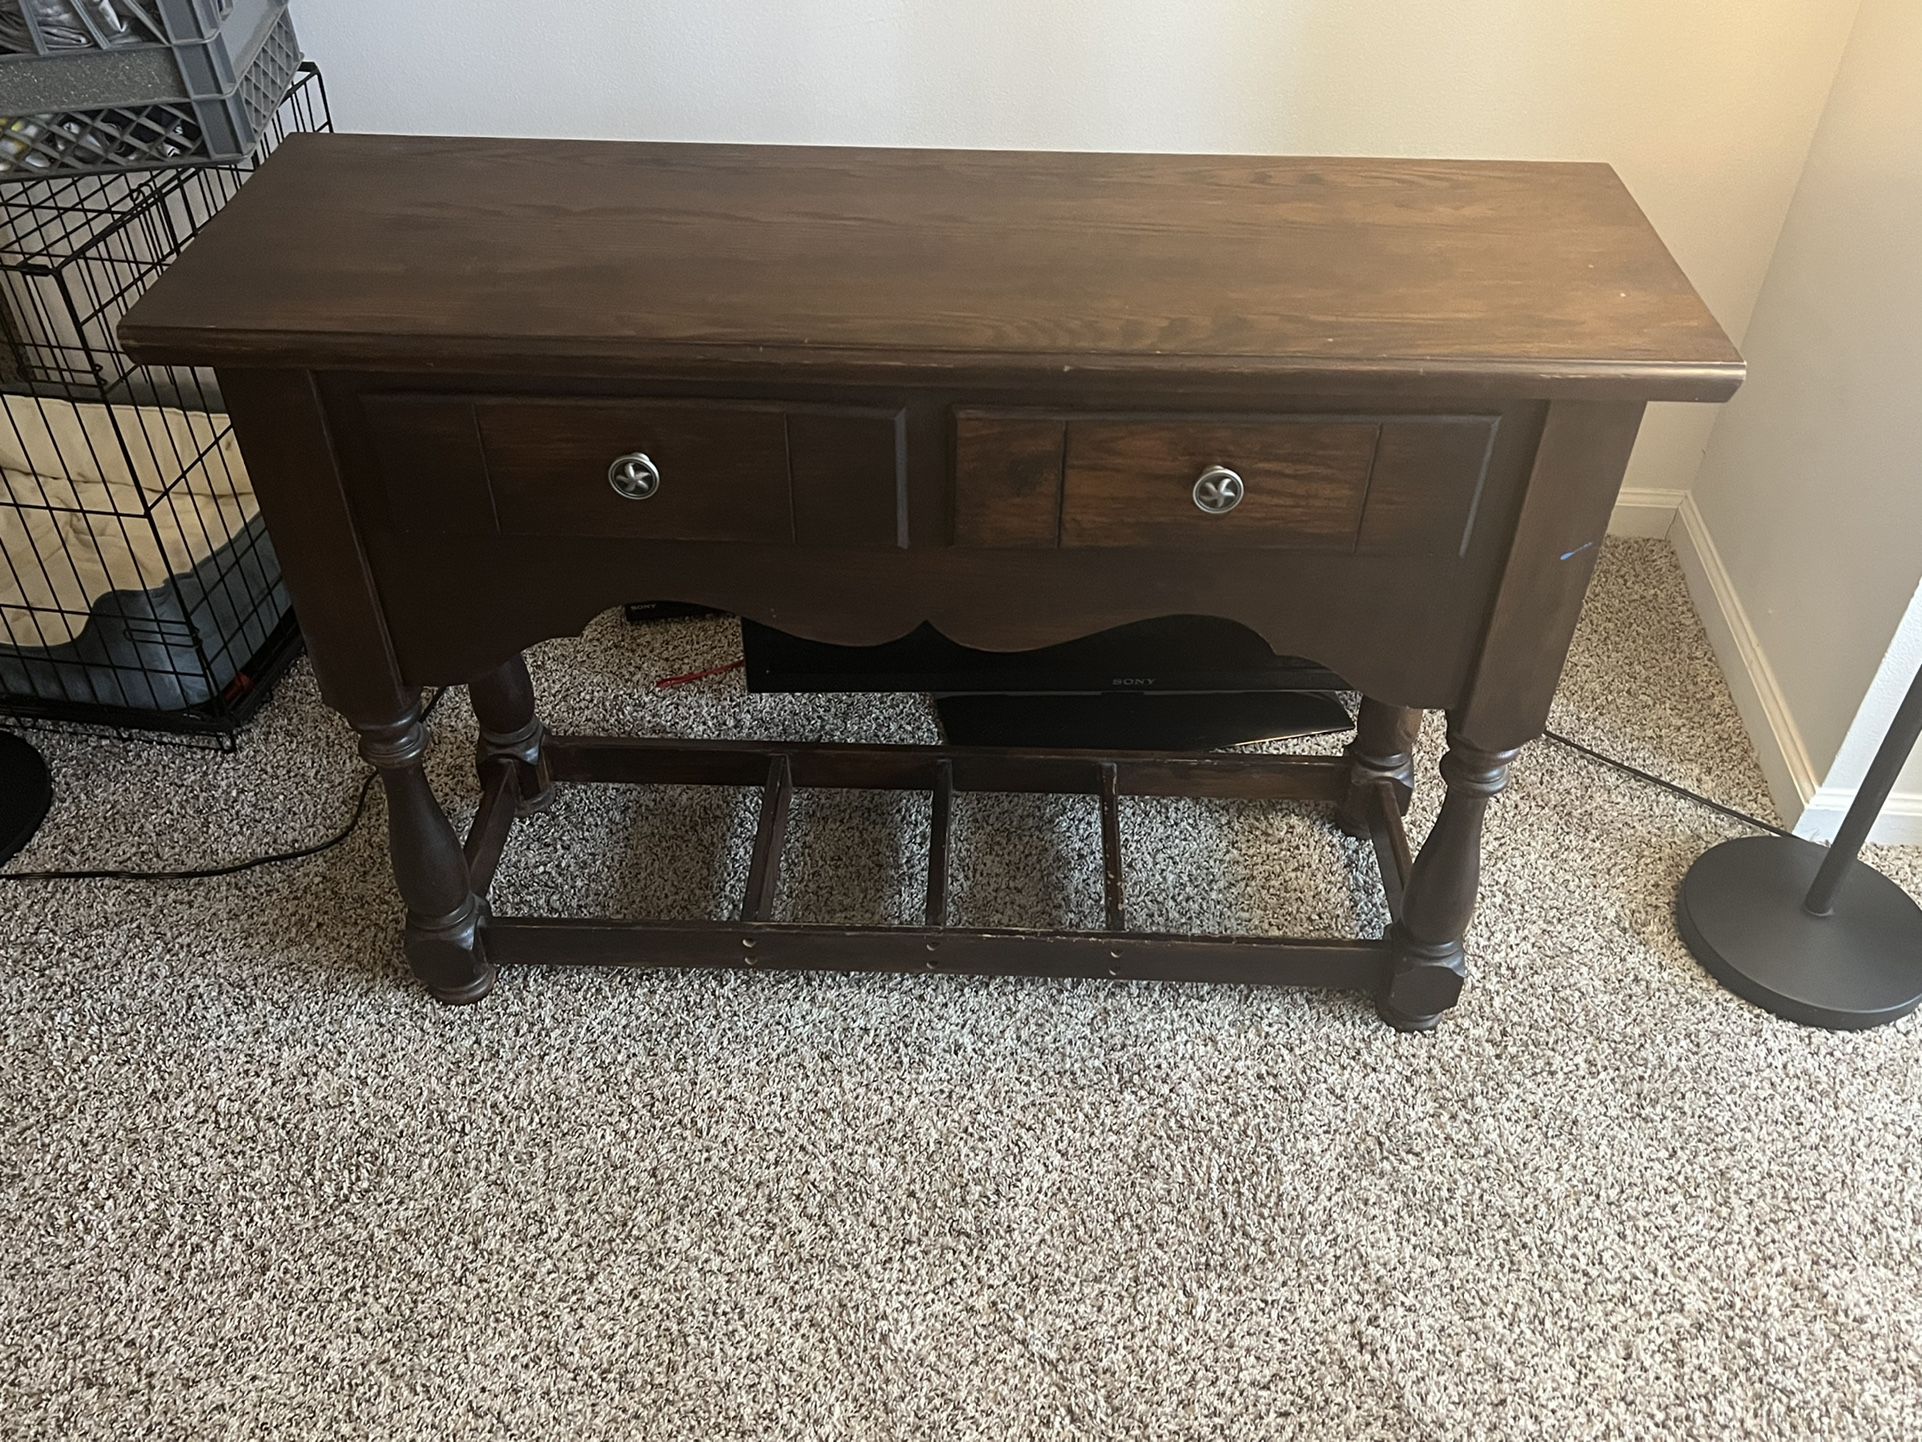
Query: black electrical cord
1652	779
208	872
367	784
233	868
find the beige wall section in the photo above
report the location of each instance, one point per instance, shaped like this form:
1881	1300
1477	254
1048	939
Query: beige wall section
1706	107
1810	498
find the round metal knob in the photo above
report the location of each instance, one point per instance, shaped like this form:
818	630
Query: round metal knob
1219	490
634	476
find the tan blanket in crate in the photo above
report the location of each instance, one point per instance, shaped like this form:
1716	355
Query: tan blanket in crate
94	500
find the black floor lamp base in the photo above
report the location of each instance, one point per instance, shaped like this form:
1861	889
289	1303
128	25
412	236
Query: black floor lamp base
1741	913
25	793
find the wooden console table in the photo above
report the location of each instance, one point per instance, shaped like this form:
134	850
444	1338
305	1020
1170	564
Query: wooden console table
1377	411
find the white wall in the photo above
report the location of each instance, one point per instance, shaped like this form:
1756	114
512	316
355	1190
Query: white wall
1706	107
1811	493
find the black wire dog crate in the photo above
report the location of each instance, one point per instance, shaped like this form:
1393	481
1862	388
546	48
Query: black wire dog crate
138	589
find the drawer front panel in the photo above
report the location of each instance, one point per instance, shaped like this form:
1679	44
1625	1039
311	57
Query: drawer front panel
723	468
1131	483
1376	485
1007	479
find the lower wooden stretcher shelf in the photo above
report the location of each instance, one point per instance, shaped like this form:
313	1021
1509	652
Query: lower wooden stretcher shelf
754	942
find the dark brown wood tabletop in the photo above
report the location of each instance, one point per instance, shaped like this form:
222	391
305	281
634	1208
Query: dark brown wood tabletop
436	251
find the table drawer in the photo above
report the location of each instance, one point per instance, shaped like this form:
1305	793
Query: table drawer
1279	483
689	470
1405	485
699	470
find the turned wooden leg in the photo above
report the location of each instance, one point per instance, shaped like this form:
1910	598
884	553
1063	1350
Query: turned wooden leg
444	916
510	728
1383	750
1425	969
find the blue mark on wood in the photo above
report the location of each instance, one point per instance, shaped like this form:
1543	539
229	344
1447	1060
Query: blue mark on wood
1571	555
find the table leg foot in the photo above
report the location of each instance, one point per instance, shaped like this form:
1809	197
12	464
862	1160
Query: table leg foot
448	956
1402	1022
1424	983
478	988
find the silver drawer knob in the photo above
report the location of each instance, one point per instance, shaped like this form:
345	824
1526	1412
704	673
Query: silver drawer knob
634	476
1219	490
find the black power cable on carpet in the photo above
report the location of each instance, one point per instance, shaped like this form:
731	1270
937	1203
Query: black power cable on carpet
1652	779
234	868
367	782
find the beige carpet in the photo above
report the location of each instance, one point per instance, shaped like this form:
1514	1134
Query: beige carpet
253	1184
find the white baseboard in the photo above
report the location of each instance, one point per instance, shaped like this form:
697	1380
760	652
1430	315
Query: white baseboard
1900	823
1644	511
1813	810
